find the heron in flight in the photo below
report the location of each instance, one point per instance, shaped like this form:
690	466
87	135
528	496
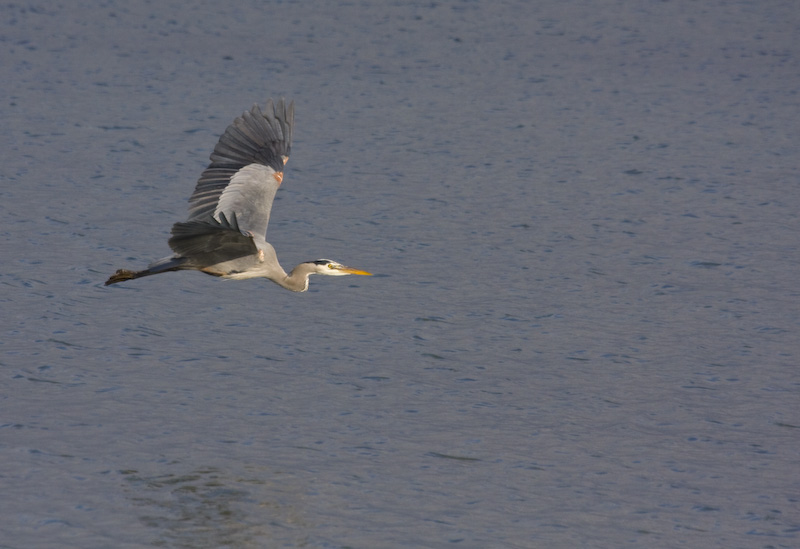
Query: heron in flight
225	234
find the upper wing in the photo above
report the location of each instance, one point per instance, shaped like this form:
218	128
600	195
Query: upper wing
246	168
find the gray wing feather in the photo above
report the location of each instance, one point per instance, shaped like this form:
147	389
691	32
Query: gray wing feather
249	195
239	179
209	242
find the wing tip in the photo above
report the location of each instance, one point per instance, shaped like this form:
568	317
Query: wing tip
262	136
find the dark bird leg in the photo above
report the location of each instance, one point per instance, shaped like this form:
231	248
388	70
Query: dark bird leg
161	266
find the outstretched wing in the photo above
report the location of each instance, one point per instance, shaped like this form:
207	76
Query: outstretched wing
246	169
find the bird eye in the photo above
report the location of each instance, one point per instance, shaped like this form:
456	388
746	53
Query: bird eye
330	265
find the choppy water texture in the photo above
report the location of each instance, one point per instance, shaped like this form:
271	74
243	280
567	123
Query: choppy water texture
585	331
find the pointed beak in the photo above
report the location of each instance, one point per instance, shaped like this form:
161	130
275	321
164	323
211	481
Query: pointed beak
350	270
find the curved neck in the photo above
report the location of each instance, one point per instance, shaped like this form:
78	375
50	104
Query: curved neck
297	280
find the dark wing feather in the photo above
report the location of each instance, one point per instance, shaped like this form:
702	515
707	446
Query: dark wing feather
208	242
240	179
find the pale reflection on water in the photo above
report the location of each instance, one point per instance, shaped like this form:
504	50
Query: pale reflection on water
207	508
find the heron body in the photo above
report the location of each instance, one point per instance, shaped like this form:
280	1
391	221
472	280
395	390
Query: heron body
225	234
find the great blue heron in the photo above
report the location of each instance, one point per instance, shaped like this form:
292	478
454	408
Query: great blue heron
225	234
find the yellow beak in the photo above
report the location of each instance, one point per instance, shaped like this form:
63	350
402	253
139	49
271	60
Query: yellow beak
350	270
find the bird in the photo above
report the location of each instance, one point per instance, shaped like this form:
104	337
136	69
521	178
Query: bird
225	233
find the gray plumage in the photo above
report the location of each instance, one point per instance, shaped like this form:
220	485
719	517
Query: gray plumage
225	234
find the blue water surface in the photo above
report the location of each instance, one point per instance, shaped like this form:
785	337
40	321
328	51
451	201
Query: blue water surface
583	218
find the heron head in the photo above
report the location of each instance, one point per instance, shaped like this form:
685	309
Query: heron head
332	268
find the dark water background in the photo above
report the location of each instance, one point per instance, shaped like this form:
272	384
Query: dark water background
585	215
